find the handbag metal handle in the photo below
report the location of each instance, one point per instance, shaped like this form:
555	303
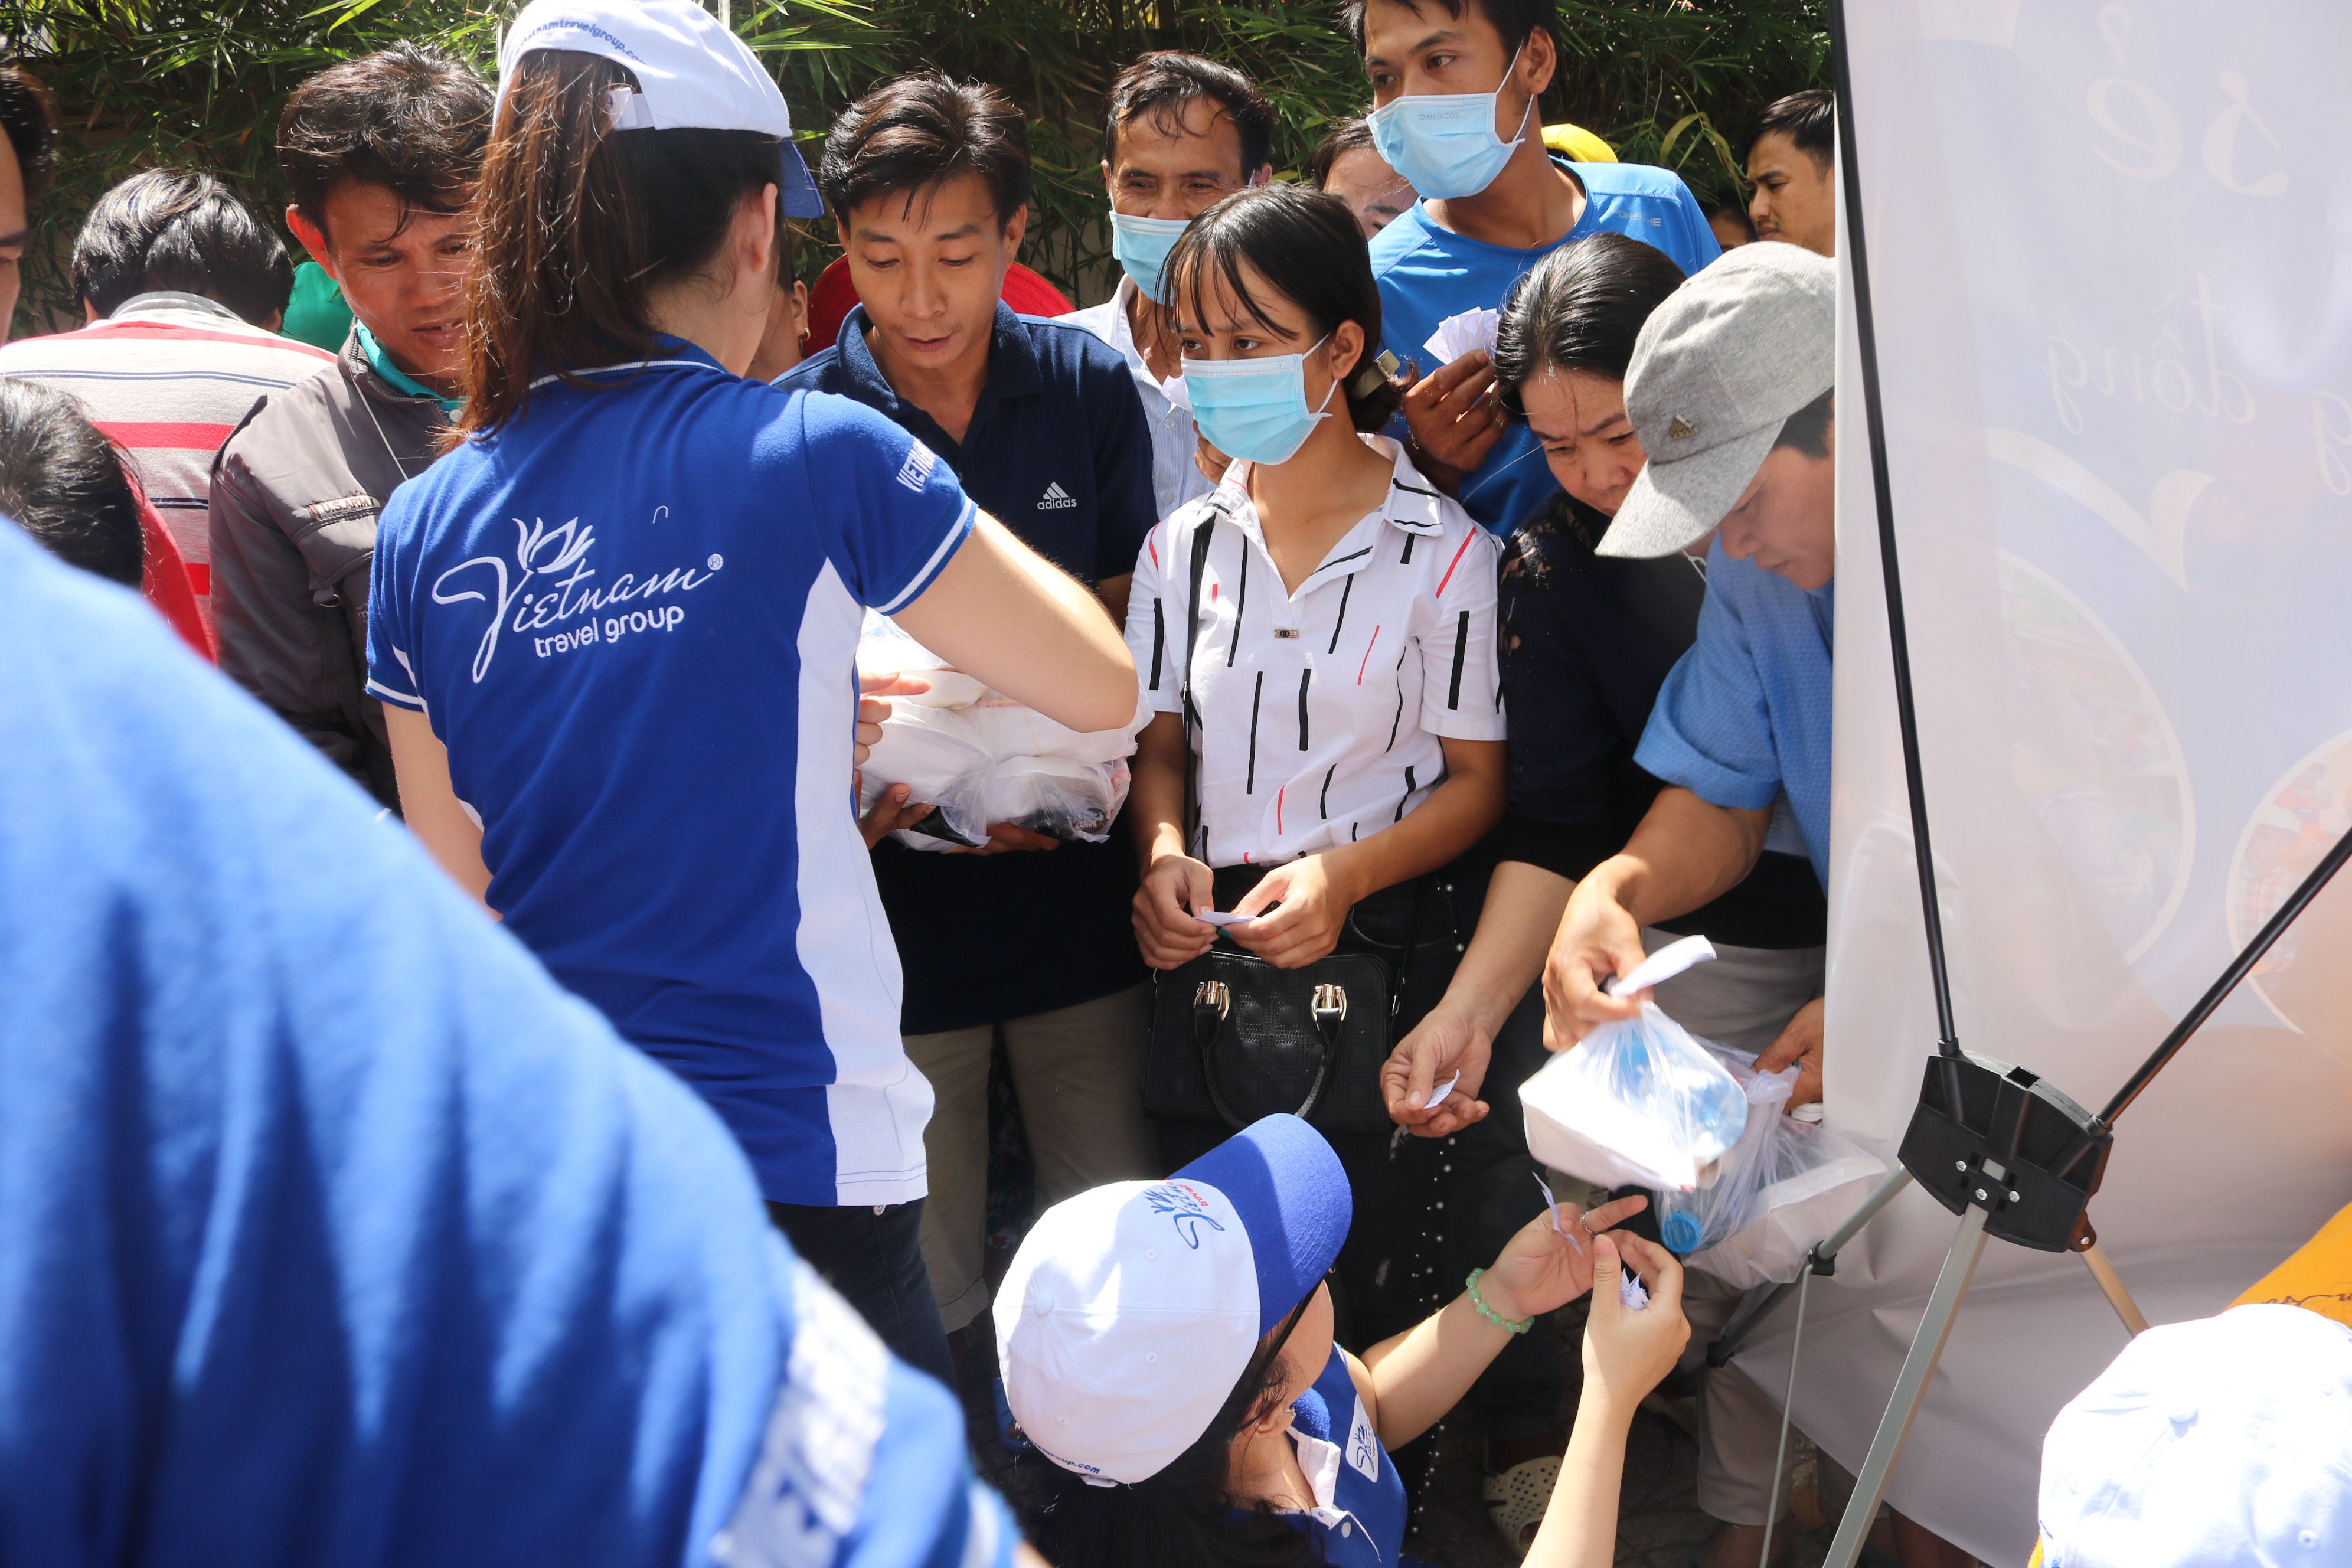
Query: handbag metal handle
1326	1004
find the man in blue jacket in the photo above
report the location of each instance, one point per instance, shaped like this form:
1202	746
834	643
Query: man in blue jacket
1455	85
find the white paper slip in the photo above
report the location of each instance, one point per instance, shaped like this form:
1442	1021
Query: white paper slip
1220	918
1457	335
1441	1091
1664	964
1630	1292
1551	1213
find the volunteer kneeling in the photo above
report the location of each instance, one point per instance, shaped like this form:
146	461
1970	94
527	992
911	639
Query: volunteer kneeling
1167	1346
629	603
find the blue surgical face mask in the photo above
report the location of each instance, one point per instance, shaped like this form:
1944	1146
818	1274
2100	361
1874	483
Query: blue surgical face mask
1444	143
1142	244
1254	409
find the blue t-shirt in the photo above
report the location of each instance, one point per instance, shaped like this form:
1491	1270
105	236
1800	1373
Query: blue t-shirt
1427	273
335	1233
632	616
1745	714
1359	1518
1058	451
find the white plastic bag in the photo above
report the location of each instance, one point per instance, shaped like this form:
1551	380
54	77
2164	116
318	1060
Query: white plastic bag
1818	1179
1639	1102
978	757
1719	1209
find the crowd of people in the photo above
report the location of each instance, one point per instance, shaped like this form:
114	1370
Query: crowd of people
395	1235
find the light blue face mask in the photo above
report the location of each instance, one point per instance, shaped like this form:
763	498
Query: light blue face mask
1142	244
1444	143
1254	409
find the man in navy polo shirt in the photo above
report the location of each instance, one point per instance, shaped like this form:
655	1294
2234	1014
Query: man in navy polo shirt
1026	939
1455	85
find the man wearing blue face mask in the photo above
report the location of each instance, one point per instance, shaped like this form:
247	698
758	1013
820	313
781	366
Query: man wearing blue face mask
1178	133
1454	87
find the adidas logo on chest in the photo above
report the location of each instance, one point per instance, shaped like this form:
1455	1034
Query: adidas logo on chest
1057	498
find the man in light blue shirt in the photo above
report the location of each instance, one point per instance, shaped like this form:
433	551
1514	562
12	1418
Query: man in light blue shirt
1730	390
1455	89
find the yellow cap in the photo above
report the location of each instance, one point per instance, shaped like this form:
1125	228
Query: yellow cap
1577	145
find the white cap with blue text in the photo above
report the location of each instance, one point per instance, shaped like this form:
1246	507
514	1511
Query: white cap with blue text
2220	1441
692	74
1131	1311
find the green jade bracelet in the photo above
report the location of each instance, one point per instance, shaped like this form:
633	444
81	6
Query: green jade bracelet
1506	1324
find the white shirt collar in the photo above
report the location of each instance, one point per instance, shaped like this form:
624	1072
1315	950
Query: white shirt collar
1411	506
161	304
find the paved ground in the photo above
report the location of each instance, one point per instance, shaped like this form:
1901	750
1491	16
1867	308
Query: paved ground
1659	1522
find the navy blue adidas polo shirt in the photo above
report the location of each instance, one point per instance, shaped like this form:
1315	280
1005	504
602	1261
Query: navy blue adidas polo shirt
1057	452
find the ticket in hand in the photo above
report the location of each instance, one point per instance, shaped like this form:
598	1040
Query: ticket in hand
1457	335
1220	918
1441	1091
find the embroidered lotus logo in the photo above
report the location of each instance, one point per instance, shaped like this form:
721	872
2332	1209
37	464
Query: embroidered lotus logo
1185	1210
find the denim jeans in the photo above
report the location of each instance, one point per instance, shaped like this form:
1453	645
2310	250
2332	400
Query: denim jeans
872	1254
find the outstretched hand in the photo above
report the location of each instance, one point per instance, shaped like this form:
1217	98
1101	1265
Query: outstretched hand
1799	1043
1542	1270
1441	1045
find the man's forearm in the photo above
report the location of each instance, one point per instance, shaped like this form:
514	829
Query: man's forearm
1687	852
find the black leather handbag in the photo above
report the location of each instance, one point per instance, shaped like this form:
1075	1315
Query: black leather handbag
1233	1038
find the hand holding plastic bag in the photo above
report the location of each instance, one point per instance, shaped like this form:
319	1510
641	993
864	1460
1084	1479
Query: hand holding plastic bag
1641	1102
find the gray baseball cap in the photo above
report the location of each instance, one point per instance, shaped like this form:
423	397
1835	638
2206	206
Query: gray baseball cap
1720	365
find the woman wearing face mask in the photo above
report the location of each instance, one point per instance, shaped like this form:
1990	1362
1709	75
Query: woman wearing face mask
1586	641
1169	1361
1344	743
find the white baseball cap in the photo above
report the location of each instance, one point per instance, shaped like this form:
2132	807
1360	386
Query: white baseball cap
2220	1441
692	74
1131	1311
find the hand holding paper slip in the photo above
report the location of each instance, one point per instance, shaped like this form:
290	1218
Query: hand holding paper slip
1221	917
1459	335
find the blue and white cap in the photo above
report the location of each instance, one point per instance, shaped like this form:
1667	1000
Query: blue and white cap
2221	1440
692	74
1131	1311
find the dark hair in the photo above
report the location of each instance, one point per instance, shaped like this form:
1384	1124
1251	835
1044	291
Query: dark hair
577	226
1580	309
1808	429
178	229
32	129
64	483
1514	19
1308	246
1809	117
1737	212
411	118
919	130
1352	135
1182	1517
1162	82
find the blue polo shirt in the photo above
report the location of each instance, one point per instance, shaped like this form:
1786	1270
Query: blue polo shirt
1427	273
335	1233
1745	714
1059	452
632	615
1359	1517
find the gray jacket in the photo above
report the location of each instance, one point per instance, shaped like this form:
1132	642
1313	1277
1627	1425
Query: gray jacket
296	492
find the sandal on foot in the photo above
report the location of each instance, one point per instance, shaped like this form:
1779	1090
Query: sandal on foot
1517	1498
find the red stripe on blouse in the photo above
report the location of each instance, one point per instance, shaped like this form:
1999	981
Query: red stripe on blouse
1451	564
1368	657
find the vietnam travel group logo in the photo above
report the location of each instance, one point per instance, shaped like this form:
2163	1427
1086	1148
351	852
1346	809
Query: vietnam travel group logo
1185	1209
558	559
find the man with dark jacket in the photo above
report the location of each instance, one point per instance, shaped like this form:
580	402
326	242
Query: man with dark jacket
382	152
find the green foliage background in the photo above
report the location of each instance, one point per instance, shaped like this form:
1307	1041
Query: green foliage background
199	82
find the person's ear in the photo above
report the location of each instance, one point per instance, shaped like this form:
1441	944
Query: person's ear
1015	227
756	235
1264	176
1108	189
1346	350
312	241
1538	61
1829	431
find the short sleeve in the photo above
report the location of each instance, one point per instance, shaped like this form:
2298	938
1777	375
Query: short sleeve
1125	511
1460	687
1155	626
391	670
1686	235
1711	731
893	513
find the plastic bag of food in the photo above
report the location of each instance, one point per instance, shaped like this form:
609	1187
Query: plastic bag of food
1641	1102
977	757
1816	1180
1721	1208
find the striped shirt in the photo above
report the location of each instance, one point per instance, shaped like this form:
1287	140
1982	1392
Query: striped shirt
1302	697
168	376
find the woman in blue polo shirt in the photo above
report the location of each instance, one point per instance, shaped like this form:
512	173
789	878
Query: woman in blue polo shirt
1170	1367
615	629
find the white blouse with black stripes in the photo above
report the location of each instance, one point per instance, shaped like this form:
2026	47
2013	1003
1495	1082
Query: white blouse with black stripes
1300	701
